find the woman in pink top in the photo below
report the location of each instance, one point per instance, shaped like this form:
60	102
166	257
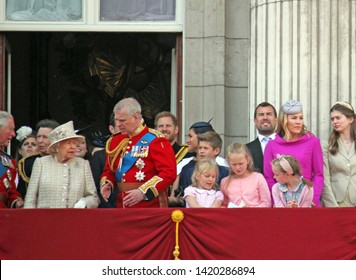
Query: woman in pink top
293	139
243	187
292	190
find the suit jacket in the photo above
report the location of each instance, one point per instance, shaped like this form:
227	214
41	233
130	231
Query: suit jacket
257	154
339	176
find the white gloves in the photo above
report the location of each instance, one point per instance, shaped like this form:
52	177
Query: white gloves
80	204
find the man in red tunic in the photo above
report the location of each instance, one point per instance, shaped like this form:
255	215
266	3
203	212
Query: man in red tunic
9	196
140	161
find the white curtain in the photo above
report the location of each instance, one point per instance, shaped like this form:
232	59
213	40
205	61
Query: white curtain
46	10
137	10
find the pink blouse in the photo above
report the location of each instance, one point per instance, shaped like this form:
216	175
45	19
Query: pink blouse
252	190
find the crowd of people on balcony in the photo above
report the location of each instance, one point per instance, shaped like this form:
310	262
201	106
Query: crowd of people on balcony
142	167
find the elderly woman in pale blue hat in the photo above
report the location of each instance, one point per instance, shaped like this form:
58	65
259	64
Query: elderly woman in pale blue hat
62	180
294	139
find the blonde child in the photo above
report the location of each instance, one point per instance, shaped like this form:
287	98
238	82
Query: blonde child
203	192
243	187
291	189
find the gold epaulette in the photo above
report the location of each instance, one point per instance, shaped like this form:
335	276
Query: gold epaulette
115	152
155	132
21	167
181	153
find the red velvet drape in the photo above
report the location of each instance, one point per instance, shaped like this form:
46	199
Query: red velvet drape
141	234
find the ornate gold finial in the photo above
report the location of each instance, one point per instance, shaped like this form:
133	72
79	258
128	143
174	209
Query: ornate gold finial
177	217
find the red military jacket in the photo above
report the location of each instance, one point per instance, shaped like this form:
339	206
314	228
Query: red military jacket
153	165
8	192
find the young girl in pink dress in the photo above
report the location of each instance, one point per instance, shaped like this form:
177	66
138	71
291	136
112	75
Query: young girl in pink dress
291	189
203	192
243	187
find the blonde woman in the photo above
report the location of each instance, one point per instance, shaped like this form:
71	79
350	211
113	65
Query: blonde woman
294	139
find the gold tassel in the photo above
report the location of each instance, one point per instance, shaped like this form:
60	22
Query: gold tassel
177	217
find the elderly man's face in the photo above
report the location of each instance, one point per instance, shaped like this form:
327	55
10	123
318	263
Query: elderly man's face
7	132
126	123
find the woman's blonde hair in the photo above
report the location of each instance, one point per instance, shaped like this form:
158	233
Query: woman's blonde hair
205	165
282	129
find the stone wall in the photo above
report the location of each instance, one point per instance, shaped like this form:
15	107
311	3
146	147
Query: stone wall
216	47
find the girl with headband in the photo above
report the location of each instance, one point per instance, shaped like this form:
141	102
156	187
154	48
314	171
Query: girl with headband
291	189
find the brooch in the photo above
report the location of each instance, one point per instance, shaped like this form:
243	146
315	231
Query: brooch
6	162
6	183
140	176
140	164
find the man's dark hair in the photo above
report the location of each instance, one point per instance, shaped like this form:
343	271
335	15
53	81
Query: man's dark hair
265	104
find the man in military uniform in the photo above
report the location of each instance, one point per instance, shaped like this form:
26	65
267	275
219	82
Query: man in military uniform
43	128
140	161
9	196
167	124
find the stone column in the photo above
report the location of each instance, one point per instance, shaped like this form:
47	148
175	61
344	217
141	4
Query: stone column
237	47
204	62
304	50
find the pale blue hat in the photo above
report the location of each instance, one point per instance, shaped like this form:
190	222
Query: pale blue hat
292	107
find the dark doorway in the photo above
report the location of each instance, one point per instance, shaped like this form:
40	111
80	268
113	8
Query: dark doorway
81	76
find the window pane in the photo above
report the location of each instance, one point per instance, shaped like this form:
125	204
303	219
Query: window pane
44	10
137	10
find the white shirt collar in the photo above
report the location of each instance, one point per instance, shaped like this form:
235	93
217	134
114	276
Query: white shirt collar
264	142
272	136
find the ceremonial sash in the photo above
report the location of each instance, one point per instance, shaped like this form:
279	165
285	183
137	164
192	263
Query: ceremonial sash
2	170
137	151
4	165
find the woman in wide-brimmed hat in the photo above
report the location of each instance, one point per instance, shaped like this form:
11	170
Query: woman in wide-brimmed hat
62	180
